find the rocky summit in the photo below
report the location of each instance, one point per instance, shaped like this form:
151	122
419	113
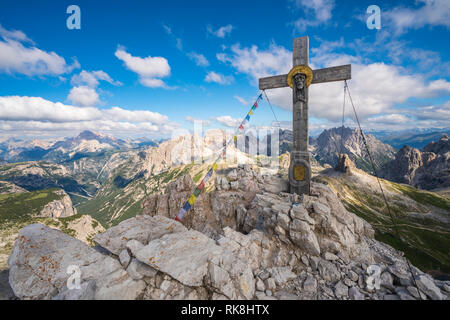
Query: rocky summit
247	239
427	169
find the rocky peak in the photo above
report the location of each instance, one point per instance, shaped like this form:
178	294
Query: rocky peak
441	147
247	239
345	164
330	142
426	169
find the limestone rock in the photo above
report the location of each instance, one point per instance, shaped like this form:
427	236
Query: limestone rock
282	274
41	258
310	284
182	255
59	208
340	290
355	294
429	288
141	228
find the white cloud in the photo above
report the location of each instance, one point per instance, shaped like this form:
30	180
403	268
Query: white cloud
317	12
258	63
195	120
35	114
377	88
432	13
167	29
221	32
228	121
91	78
218	78
17	57
199	59
14	35
83	96
440	112
179	44
241	100
149	69
393	118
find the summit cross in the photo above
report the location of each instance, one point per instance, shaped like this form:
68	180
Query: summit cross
299	79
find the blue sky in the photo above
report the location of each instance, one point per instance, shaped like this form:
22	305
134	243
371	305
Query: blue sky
148	68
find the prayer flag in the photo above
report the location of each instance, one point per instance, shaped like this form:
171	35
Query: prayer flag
192	199
187	206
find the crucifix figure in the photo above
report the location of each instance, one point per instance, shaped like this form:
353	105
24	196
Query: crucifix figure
299	79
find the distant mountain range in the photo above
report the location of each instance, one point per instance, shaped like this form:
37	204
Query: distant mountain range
413	139
87	143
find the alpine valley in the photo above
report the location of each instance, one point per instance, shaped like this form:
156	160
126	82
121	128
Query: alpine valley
93	187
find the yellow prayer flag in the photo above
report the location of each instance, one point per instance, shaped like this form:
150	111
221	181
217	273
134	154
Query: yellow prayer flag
192	199
214	166
235	138
250	112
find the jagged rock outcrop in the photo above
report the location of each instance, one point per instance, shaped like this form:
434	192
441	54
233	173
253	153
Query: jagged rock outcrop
344	164
248	243
427	169
235	189
328	147
59	208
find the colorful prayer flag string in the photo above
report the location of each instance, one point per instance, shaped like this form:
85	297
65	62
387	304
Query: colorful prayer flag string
187	206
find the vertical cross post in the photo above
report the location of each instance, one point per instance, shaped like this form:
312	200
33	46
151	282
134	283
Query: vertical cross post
299	78
299	168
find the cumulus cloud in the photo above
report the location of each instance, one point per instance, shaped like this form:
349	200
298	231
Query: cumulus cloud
228	121
218	78
377	88
19	55
199	59
149	69
258	63
83	96
317	12
221	32
439	112
91	78
431	13
18	113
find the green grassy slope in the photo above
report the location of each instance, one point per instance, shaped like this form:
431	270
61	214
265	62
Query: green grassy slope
421	217
114	203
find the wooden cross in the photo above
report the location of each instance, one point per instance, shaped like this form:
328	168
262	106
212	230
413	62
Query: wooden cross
299	78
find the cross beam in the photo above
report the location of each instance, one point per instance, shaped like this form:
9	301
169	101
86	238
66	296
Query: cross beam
299	79
319	76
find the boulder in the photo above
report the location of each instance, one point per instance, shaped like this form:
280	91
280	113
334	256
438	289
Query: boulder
282	274
142	229
182	255
427	286
42	257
